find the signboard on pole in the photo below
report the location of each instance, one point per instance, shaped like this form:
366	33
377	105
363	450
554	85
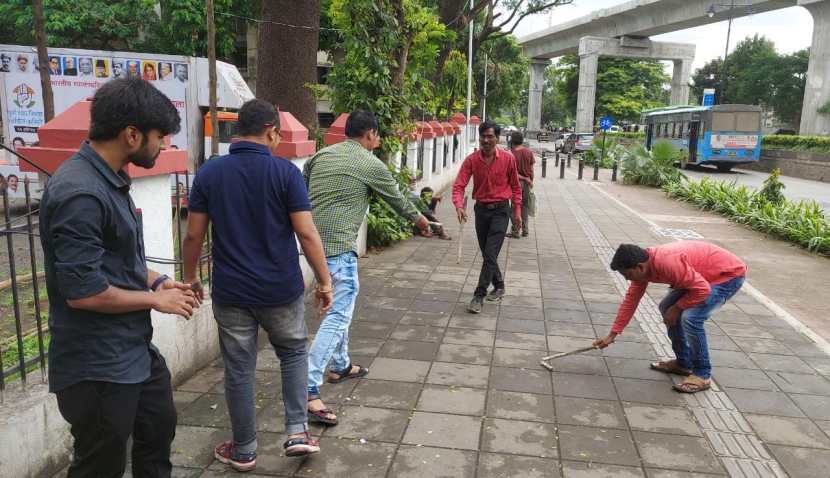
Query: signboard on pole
708	97
606	122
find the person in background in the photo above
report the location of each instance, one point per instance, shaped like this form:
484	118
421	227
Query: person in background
524	165
111	382
427	202
702	278
495	183
256	203
340	179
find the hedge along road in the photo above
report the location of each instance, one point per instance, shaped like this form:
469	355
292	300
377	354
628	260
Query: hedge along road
796	189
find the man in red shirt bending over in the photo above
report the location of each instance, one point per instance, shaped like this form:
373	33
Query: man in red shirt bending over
702	278
495	183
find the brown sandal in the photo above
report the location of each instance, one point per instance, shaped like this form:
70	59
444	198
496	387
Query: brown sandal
692	384
670	366
347	373
321	416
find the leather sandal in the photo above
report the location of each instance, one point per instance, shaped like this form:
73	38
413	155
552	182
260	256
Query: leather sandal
347	373
692	384
670	366
321	416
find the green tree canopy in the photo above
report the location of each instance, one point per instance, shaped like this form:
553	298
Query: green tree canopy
507	78
625	86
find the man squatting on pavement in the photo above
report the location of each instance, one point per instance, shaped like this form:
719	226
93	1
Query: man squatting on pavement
495	183
702	278
340	179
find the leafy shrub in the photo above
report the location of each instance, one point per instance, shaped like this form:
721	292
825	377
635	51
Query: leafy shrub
651	168
629	134
385	226
592	155
803	223
816	144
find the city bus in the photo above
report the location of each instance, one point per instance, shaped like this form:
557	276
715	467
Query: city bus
720	135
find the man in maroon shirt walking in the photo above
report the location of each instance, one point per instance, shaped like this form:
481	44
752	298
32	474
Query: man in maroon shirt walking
495	183
524	165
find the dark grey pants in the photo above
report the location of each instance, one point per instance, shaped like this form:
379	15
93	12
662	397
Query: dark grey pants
525	215
491	225
287	332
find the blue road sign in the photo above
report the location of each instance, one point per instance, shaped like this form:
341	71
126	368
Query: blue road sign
605	123
708	97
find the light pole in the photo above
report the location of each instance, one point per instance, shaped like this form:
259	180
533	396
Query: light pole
710	12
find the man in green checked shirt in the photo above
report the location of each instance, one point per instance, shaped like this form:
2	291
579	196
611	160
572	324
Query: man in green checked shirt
340	179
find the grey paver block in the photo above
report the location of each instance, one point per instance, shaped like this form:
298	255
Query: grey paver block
516	358
470	354
481	338
468	321
438	295
370	330
558	343
763	402
460	375
183	399
802	462
521	341
567	315
583	364
743	378
375	424
497	465
420	462
729	358
764	346
820	365
179	472
513	311
398	292
647	391
603	307
270	457
393	303
458	400
380	393
519	437
602	445
817	407
209	410
661	419
652	473
521	326
399	370
633	350
721	342
377	314
634	368
744	330
350	458
364	346
575	469
409	349
588	412
443	430
520	406
432	306
570	329
424	318
801	383
781	363
193	446
423	333
203	381
677	452
584	386
789	431
529	381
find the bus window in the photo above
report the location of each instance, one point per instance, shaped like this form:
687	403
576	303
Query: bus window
748	121
723	122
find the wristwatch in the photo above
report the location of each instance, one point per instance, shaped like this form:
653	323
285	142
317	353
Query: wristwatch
159	281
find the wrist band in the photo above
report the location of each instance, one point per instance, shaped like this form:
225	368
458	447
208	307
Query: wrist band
159	281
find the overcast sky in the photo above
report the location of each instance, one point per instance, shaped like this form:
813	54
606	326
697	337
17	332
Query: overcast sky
790	29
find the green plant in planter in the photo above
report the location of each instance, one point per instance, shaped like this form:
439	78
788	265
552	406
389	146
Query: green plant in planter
772	190
651	168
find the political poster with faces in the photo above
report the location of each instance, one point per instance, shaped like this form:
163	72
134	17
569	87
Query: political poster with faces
74	77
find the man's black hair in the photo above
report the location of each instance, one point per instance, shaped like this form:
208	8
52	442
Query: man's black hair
487	125
256	115
426	189
12	176
516	138
628	256
133	102
359	122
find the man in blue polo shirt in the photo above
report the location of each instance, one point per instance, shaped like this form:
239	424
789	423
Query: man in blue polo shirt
256	204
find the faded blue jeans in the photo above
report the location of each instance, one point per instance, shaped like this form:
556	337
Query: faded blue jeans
331	344
688	336
287	332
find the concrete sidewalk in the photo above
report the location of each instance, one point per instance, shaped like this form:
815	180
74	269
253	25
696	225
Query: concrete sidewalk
453	394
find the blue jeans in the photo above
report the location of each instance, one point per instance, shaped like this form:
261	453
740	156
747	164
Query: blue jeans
688	337
287	332
331	344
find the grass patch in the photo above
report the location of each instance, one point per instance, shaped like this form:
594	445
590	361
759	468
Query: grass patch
11	354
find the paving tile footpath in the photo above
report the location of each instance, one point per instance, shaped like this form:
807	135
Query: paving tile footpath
460	395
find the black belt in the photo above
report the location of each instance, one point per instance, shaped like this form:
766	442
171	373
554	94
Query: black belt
493	205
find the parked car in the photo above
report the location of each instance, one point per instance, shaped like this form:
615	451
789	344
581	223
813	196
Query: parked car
614	129
578	142
559	143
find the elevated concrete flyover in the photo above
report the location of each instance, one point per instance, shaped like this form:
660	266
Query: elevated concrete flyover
645	18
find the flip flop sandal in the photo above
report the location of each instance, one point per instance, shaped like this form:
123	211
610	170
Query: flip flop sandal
692	384
346	373
301	446
670	366
320	416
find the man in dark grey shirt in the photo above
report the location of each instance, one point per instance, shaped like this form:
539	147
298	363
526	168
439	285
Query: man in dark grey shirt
110	381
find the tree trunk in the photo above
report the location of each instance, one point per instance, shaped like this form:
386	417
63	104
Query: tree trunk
287	57
43	61
214	121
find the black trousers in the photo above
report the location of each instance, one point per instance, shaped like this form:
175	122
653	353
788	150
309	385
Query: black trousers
491	226
525	214
103	415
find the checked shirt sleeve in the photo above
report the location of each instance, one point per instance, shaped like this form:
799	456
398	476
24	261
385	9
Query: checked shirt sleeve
381	181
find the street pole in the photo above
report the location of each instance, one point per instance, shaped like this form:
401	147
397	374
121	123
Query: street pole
484	99
723	80
214	121
470	70
43	61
